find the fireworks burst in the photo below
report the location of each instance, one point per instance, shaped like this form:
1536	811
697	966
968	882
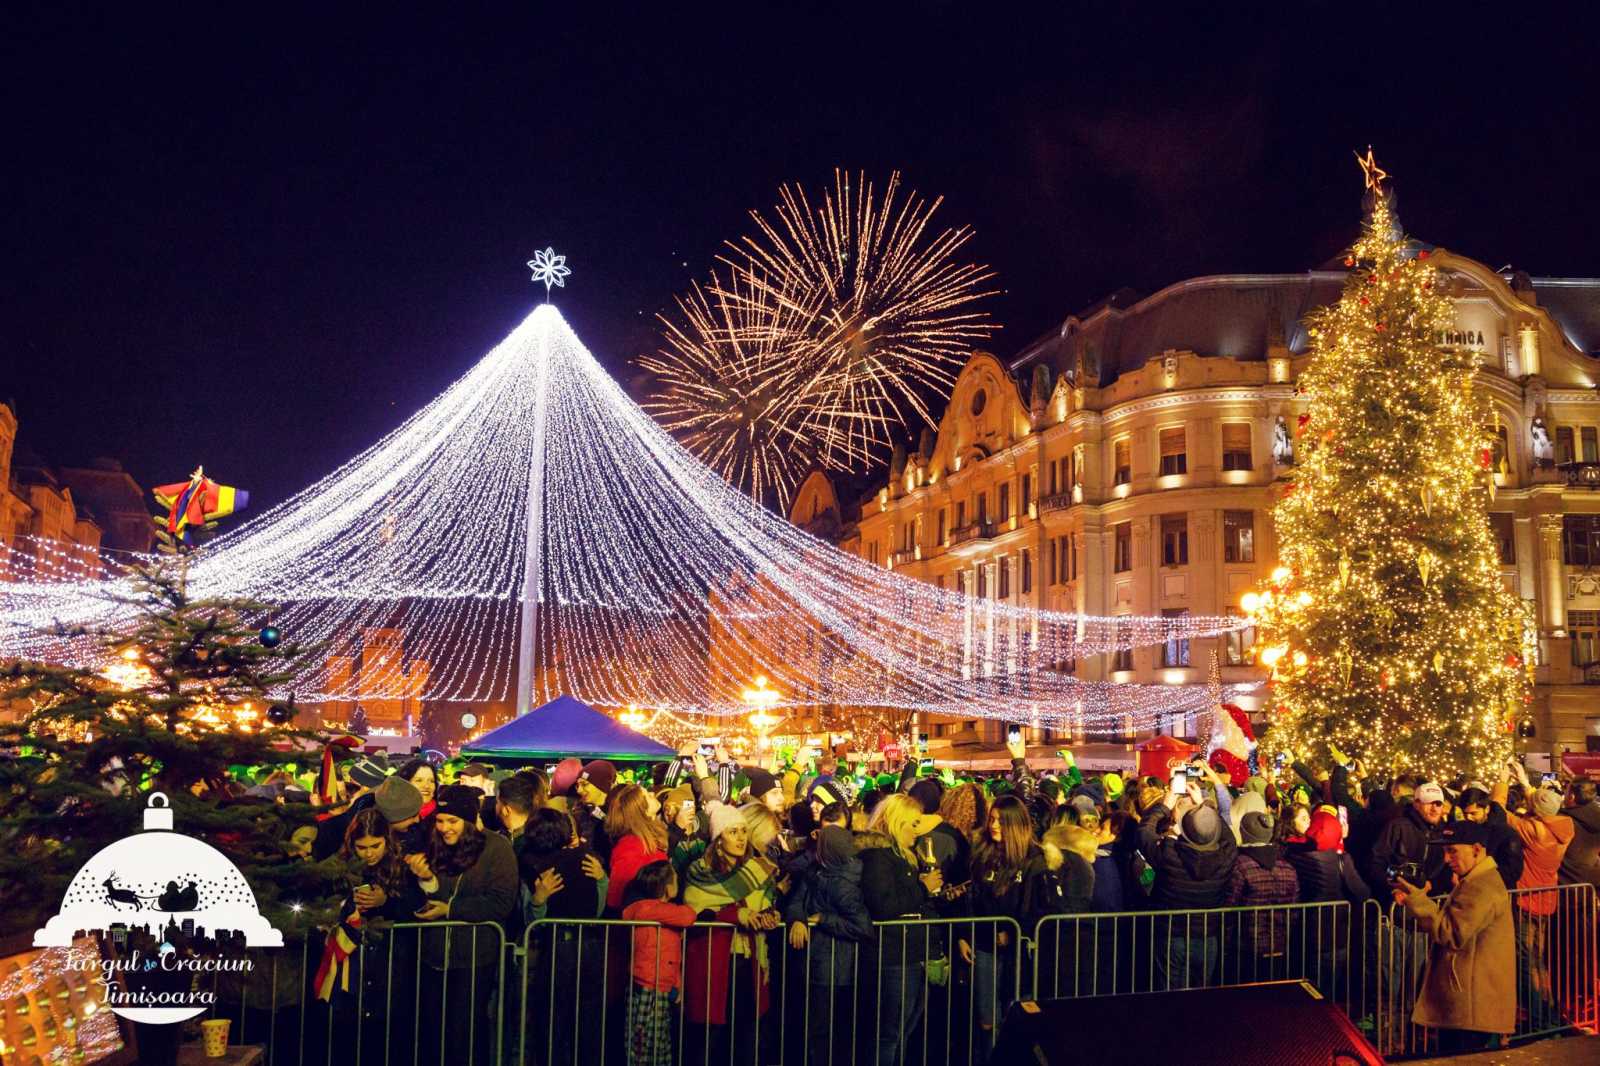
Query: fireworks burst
733	385
880	310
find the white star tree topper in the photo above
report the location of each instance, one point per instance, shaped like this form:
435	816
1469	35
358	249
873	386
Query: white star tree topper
549	268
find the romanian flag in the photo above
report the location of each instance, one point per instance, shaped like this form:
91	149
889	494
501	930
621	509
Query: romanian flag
198	502
343	939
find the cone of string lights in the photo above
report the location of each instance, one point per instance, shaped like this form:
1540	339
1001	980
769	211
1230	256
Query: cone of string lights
1388	629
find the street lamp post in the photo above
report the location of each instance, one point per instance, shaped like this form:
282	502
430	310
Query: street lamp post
761	699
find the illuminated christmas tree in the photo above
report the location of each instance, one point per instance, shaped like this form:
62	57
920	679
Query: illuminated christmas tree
1389	631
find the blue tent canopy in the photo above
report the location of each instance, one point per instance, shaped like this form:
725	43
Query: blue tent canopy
566	726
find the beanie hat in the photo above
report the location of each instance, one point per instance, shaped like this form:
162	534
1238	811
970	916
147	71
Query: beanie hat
369	771
1084	805
1325	831
460	801
1113	785
602	774
1050	789
724	817
674	798
1255	828
397	799
761	781
1201	828
1545	802
565	776
928	792
827	792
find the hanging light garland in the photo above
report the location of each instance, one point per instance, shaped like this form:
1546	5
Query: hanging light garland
660	584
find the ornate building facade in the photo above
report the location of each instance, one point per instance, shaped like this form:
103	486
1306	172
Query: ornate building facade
1125	464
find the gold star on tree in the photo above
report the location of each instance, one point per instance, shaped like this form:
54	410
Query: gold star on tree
1371	172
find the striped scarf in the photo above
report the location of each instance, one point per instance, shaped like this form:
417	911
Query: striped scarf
749	885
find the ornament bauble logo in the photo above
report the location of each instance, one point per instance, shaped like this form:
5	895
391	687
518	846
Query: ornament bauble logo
171	907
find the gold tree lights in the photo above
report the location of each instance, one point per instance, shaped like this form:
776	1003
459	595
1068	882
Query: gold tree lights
1388	629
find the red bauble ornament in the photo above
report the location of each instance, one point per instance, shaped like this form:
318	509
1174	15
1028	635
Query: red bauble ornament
1349	260
1380	327
1422	254
1365	301
1486	458
1512	660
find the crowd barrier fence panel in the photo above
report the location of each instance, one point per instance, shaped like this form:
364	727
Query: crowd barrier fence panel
1557	981
274	1003
1085	955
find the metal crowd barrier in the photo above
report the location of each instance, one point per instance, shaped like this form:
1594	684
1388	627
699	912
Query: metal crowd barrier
1081	955
913	992
907	994
417	993
1557	981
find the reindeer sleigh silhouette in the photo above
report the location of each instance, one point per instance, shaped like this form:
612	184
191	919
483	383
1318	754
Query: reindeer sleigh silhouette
173	899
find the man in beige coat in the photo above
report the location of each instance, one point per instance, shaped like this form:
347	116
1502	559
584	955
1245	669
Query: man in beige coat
1469	990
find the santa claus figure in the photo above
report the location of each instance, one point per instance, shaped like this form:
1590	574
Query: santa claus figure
1233	745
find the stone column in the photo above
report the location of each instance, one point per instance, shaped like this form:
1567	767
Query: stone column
1552	577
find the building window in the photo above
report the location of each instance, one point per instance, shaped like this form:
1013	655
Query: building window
1070	543
1505	536
1005	579
1122	462
1580	539
1050	567
942	531
1005	501
961	514
1591	445
963	582
1236	446
1236	644
1584	626
1174	460
1238	536
939	581
1122	658
1564	448
1124	548
983	508
983	582
1027	495
1027	571
1175	649
1174	540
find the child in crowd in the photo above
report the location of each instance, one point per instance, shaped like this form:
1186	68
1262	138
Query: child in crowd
657	962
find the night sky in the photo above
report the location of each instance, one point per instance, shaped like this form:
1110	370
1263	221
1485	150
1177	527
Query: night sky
259	244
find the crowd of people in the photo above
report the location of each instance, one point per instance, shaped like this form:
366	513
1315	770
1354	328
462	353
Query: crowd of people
750	892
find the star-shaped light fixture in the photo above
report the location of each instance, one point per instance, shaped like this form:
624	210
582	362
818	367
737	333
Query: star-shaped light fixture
549	268
1371	172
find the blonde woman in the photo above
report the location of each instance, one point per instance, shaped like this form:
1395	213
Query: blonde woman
894	886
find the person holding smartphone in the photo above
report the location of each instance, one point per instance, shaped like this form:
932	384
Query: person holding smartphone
1188	845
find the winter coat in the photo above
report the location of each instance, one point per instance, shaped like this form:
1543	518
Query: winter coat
1409	838
579	898
1470	982
1505	846
892	889
1187	878
487	891
952	853
1262	878
1027	894
630	855
658	949
1544	845
1326	876
1581	864
833	893
1109	895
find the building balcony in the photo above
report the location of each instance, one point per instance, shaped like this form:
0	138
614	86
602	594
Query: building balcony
973	533
1059	501
1581	475
902	557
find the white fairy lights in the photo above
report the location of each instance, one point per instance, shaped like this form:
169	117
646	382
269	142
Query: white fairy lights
660	585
